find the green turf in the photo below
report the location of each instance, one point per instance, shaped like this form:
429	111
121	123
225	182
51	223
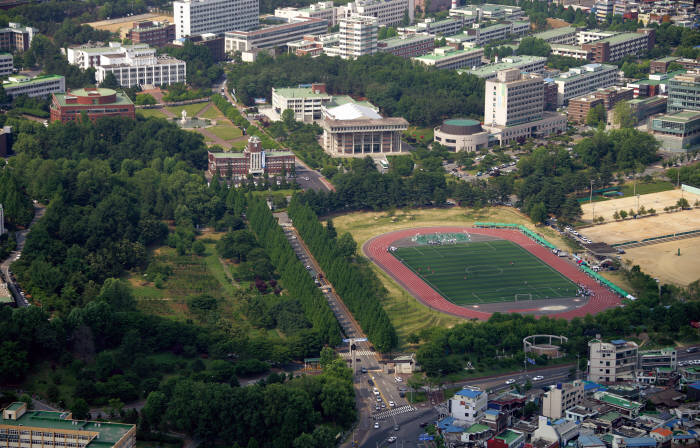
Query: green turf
483	272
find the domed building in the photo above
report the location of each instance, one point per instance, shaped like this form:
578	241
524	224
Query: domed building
461	134
94	102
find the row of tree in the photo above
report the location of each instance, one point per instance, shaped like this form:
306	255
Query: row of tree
293	274
357	285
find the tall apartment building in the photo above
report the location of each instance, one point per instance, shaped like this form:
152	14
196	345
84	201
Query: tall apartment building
684	92
514	107
38	86
358	36
613	361
581	80
452	58
20	427
561	397
387	12
194	17
274	35
468	405
16	37
153	33
407	46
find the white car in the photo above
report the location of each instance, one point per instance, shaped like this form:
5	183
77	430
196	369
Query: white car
391	439
538	378
376	425
392	404
510	381
398	379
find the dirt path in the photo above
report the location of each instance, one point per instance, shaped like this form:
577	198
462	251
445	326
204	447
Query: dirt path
204	109
227	273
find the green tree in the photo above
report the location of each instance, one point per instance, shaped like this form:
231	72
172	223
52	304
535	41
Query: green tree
117	294
596	115
623	116
534	47
80	409
346	245
683	203
144	99
14	363
538	213
623	214
328	355
198	248
110	82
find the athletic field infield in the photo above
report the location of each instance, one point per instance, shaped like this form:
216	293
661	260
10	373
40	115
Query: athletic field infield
485	272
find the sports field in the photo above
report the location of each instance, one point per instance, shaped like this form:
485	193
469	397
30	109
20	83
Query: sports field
484	272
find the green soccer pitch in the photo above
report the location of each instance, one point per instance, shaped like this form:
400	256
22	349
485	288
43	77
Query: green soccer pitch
484	272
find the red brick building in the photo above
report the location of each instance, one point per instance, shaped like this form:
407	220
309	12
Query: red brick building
152	33
579	108
96	103
253	160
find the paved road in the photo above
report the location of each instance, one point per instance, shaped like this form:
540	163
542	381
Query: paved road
5	265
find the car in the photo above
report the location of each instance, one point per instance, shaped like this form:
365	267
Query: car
370	382
391	439
691	350
376	425
377	407
308	268
363	370
392	404
538	378
510	381
396	427
423	425
383	406
379	399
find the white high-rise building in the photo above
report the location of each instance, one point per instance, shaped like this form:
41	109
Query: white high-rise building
387	12
514	107
358	36
196	17
513	98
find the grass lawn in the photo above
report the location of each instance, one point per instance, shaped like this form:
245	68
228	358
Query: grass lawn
238	146
646	188
225	131
42	377
147	113
416	132
484	272
406	313
212	113
192	109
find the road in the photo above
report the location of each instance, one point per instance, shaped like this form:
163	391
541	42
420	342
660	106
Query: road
21	237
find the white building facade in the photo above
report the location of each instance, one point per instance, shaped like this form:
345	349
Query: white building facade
468	405
358	36
613	361
579	81
387	12
560	397
196	17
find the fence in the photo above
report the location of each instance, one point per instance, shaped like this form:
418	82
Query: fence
690	189
532	235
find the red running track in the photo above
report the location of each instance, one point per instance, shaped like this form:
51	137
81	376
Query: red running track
377	250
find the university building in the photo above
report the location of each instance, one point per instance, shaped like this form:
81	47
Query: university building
195	17
407	46
253	160
273	36
95	102
16	37
579	81
21	428
358	36
38	86
356	130
153	33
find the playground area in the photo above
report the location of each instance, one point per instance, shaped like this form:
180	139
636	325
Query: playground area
663	262
123	24
616	232
657	201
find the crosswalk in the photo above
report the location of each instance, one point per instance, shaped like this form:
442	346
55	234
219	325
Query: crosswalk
392	412
358	353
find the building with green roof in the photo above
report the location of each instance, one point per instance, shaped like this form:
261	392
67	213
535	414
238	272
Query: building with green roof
565	35
20	427
33	87
93	102
451	58
617	46
307	101
677	132
529	64
623	406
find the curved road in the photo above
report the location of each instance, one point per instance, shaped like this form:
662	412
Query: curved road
21	236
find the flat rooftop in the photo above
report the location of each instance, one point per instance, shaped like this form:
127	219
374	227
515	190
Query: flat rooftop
683	116
110	433
556	32
508	436
403	40
299	92
506	63
620	38
121	99
447	54
586	71
25	80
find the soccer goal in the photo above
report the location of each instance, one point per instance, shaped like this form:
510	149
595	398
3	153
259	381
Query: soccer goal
523	296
